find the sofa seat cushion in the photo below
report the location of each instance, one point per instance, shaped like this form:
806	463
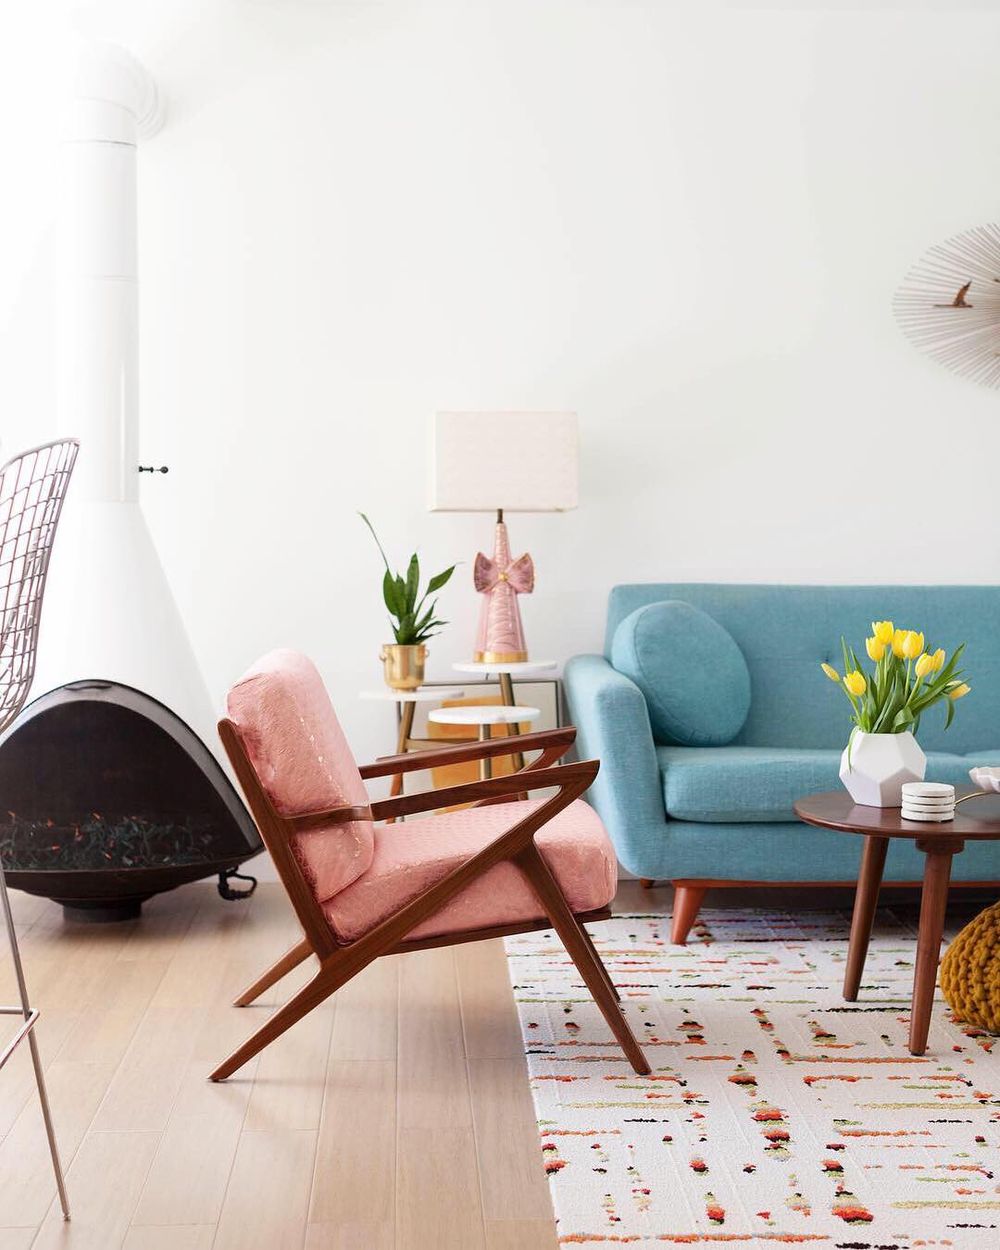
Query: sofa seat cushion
410	857
724	784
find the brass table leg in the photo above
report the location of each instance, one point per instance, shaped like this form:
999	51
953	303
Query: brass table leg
507	695
405	712
485	764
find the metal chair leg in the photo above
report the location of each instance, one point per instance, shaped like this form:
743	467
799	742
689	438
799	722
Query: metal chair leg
30	1016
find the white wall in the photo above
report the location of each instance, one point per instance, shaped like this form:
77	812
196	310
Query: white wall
685	222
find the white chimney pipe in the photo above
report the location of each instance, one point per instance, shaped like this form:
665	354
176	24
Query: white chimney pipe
114	102
109	613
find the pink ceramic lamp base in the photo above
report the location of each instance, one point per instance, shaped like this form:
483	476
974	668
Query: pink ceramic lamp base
500	639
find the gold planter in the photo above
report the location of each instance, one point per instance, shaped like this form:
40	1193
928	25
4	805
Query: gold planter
404	665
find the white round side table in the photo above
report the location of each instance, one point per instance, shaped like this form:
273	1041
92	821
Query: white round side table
505	672
482	716
406	704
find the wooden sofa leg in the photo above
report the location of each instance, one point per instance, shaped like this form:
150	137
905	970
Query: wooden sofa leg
289	960
687	901
647	883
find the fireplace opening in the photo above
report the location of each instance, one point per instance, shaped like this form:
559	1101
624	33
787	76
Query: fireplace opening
107	797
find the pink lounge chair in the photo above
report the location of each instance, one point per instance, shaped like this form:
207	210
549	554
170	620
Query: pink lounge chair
508	864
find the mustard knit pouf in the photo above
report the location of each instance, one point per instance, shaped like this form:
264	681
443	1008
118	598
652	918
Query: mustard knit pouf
970	971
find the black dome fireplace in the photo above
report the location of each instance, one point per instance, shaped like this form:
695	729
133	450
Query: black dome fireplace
109	789
109	798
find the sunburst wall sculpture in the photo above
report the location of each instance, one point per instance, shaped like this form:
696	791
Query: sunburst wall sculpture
949	304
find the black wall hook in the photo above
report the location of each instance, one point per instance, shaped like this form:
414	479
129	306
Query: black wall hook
149	468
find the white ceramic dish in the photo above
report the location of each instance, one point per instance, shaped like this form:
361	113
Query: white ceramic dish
936	818
928	790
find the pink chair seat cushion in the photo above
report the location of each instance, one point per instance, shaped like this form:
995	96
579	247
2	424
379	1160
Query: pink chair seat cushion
410	857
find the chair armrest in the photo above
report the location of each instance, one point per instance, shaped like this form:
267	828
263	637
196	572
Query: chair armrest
415	761
612	721
579	774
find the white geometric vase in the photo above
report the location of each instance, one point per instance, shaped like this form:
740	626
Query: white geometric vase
880	764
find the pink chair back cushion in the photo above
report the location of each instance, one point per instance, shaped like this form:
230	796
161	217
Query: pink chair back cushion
294	741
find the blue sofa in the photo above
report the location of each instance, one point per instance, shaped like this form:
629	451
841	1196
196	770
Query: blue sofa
695	814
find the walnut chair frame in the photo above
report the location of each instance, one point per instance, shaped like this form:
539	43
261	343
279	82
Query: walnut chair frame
338	962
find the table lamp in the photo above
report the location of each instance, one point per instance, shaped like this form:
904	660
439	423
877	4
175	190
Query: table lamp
503	462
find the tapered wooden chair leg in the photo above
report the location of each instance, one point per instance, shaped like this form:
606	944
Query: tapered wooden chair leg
647	883
289	960
581	951
593	950
319	988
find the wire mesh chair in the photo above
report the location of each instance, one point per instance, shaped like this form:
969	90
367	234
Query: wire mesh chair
32	488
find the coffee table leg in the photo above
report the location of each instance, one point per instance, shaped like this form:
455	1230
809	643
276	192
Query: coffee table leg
933	901
865	902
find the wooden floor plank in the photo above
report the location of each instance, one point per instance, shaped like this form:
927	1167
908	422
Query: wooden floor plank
355	1179
491	1027
27	1184
145	1085
268	1195
187	1181
288	1089
521	1235
510	1158
19	1238
347	1237
173	1237
367	1009
432	1075
104	1181
438	1187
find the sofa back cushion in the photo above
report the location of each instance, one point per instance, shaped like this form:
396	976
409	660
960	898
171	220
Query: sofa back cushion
297	748
786	632
691	672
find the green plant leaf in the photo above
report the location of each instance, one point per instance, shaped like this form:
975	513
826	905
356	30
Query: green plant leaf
430	629
902	720
407	634
412	582
422	621
847	658
390	595
375	536
439	580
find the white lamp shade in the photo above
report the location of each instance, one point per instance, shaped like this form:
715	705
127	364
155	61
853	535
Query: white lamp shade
518	461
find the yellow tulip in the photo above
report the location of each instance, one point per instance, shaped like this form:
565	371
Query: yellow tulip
883	631
924	665
959	691
913	644
898	638
831	672
875	648
939	658
855	683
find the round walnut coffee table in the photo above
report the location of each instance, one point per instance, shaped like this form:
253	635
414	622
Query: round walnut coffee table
975	821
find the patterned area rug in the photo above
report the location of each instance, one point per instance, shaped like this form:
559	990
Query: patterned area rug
777	1114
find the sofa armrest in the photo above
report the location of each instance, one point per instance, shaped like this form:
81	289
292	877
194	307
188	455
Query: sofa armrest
612	721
